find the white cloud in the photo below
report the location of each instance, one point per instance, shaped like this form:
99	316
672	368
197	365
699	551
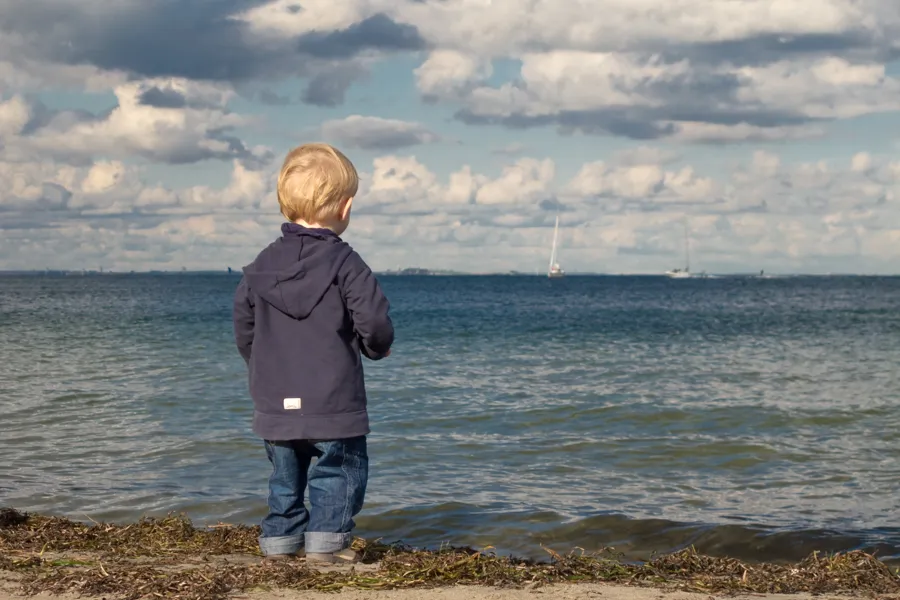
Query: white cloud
33	74
715	133
171	121
463	185
398	178
789	218
861	162
644	181
691	70
170	134
448	73
826	88
646	96
525	182
102	177
403	185
248	189
14	116
497	26
35	186
818	216
113	188
687	71
373	133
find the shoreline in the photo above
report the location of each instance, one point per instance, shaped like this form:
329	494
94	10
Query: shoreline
575	591
170	558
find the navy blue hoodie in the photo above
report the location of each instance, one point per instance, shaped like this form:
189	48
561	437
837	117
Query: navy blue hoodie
304	312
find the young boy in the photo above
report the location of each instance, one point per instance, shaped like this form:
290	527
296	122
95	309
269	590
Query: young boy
304	312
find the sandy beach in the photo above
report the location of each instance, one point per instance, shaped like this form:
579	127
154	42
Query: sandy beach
12	588
554	592
559	592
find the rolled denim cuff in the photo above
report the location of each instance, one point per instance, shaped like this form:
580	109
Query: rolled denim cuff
318	542
286	544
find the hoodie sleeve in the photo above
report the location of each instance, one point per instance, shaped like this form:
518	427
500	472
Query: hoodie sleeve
242	317
368	307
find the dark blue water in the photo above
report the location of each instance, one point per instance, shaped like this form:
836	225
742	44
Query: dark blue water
751	417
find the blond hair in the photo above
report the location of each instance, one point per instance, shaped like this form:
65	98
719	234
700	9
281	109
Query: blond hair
314	180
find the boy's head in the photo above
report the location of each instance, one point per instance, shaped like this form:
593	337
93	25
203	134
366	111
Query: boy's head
316	186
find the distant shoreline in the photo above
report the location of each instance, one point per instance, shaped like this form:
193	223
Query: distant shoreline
440	273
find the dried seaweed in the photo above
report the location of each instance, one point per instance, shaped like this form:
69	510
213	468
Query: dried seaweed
148	537
10	517
170	558
845	572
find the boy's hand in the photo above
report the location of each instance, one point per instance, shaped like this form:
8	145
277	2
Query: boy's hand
370	355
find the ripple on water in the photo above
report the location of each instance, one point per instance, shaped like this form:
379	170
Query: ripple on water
733	414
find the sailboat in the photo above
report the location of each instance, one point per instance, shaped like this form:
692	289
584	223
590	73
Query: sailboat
686	272
555	270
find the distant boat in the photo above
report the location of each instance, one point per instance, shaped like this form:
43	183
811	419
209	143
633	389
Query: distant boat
555	270
679	274
684	273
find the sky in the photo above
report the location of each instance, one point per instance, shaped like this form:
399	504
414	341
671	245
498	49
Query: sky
138	134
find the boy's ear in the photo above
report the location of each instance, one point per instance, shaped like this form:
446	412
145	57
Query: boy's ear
345	209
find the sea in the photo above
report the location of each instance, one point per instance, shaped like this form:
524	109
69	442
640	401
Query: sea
757	418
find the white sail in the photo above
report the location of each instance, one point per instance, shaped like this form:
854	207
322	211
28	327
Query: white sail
554	270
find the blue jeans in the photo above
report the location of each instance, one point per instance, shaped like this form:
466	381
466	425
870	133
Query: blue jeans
337	489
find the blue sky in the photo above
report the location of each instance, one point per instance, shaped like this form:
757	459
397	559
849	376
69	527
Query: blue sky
147	135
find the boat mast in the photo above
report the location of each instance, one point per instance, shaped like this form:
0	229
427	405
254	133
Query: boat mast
687	249
553	251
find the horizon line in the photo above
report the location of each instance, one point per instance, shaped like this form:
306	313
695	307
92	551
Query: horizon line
424	272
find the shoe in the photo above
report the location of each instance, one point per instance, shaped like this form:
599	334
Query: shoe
278	558
341	557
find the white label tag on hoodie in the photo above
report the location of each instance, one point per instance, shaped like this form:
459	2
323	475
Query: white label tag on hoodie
292	403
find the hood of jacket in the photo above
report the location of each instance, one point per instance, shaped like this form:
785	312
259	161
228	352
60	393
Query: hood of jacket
294	272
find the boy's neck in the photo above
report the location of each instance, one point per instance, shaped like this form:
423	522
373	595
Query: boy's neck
334	227
314	225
